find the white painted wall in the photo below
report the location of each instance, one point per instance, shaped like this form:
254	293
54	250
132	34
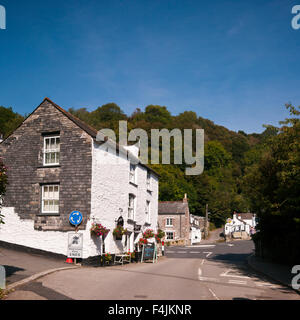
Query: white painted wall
237	225
21	232
110	196
195	235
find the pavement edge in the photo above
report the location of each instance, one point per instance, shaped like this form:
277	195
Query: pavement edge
36	276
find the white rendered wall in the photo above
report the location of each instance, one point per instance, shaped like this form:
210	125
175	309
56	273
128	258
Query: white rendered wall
110	195
21	232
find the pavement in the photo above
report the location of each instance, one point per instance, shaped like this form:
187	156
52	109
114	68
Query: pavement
280	273
201	272
22	267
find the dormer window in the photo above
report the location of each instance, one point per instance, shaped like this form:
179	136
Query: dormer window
51	150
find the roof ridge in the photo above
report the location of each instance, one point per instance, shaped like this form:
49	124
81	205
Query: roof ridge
83	125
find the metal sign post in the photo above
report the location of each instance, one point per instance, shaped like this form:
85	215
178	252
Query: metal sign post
75	241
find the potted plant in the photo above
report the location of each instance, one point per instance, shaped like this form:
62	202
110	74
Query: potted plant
107	258
99	230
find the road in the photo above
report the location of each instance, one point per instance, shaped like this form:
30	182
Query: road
204	272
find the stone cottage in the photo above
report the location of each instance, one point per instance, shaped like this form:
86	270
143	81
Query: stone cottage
174	220
56	165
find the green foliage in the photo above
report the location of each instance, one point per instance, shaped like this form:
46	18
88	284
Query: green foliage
273	185
9	121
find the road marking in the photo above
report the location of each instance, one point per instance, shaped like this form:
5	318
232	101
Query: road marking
199	273
203	246
170	251
208	254
225	274
237	282
213	294
202	262
230	245
195	252
207	279
181	252
266	284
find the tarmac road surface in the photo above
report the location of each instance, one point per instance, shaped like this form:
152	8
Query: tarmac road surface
204	272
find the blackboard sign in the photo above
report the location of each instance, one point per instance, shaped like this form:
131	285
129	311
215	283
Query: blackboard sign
149	253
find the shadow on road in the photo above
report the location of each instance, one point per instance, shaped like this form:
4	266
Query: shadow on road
238	264
11	270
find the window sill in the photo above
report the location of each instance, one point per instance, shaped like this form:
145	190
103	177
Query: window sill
52	166
134	184
48	214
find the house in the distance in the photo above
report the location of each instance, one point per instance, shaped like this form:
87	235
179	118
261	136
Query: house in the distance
241	225
197	228
57	166
179	225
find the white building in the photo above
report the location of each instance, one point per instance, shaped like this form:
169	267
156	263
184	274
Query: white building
240	222
197	227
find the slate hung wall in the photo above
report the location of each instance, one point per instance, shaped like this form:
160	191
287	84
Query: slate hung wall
22	153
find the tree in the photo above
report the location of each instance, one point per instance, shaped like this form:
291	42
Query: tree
272	186
9	121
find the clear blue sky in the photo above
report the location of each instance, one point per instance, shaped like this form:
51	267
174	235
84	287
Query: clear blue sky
234	62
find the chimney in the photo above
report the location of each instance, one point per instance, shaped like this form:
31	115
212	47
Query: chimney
185	199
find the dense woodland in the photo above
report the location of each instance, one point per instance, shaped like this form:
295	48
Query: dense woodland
257	173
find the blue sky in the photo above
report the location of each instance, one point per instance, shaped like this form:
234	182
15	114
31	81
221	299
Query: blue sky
233	62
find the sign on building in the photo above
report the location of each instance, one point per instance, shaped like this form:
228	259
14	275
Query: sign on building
75	245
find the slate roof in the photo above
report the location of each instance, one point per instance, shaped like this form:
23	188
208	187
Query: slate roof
172	207
85	127
245	216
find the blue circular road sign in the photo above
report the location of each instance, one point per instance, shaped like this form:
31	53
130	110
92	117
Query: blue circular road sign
76	218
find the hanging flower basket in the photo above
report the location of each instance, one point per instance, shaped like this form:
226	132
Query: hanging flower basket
160	234
143	241
99	230
148	234
119	231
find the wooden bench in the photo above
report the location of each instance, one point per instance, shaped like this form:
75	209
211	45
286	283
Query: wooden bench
119	258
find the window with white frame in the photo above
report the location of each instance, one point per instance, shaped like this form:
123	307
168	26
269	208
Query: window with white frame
132	174
131	207
169	222
51	150
50	199
148	211
170	235
148	180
